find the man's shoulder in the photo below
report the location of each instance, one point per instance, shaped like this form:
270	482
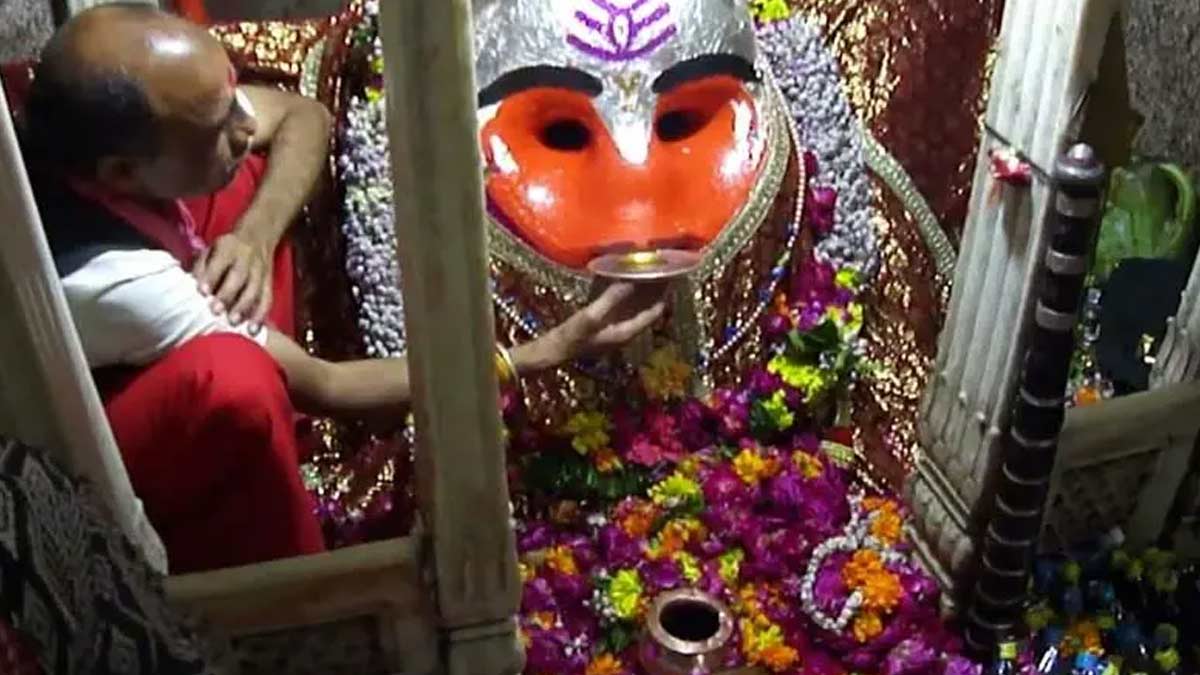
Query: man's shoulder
78	230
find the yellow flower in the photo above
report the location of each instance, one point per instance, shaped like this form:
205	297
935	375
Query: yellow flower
606	460
867	625
750	466
526	572
886	526
807	378
675	490
731	565
688	466
625	594
605	664
665	376
688	566
589	431
810	466
846	278
770	10
776	408
561	560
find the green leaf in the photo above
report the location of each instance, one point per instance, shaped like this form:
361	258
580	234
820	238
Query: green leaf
1151	213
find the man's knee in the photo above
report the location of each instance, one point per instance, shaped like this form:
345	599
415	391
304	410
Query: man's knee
235	382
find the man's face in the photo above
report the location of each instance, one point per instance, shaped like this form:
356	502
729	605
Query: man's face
206	126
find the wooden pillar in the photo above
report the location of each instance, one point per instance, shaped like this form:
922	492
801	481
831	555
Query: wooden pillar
1015	525
1049	55
47	398
440	235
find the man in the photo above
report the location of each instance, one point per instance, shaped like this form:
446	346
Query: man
131	111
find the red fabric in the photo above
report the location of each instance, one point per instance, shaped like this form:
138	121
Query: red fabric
17	656
209	439
218	213
208	432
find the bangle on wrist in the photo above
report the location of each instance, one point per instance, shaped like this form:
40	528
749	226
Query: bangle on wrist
506	368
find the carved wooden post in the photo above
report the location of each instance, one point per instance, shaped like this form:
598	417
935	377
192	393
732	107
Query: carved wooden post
46	394
1015	524
1049	55
440	233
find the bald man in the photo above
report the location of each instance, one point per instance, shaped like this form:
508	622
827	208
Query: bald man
135	118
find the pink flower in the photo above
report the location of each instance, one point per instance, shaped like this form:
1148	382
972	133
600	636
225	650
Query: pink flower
645	452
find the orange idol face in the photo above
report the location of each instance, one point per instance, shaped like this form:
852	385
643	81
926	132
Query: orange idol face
616	134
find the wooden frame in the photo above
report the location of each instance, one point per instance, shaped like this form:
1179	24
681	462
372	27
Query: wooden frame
468	545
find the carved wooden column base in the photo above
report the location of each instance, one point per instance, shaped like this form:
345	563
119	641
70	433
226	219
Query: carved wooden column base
940	530
488	648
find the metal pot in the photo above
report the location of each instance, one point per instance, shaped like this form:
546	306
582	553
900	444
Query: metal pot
687	632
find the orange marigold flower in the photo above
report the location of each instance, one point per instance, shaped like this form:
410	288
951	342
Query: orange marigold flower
882	591
887	526
862	566
751	466
880	504
779	657
561	560
640	520
605	664
867	625
544	620
606	460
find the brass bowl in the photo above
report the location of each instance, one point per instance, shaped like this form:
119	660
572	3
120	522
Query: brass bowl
687	631
645	266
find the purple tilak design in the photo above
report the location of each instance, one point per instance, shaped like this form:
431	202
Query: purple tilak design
619	31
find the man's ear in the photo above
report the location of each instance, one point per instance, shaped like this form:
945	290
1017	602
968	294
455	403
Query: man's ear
117	174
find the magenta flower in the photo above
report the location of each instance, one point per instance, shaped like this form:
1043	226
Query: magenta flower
911	657
538	596
775	325
660	575
763	384
547	652
695	422
536	535
819	205
723	488
569	589
960	665
617	548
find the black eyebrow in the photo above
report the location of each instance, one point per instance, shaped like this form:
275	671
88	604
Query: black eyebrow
704	66
538	76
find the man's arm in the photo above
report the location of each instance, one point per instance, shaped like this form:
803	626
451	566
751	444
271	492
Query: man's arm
237	269
377	387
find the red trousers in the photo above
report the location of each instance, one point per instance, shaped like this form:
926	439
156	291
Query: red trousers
208	431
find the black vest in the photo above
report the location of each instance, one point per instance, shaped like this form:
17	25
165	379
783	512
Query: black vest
79	229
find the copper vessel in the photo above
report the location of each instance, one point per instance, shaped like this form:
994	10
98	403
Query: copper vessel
687	632
645	266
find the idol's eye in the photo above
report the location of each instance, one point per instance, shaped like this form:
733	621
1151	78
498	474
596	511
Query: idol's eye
678	125
567	135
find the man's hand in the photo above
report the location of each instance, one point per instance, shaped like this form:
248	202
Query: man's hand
618	315
236	272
